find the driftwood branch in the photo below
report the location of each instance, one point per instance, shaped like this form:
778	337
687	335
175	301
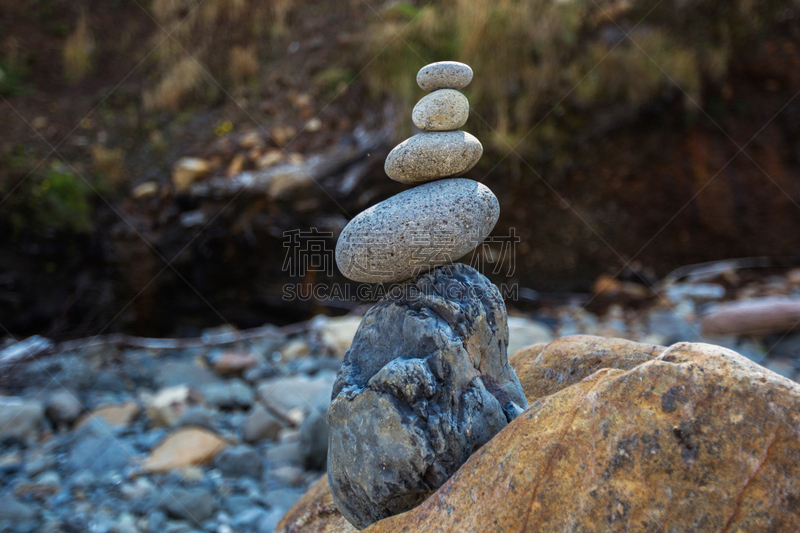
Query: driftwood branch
36	346
705	271
348	158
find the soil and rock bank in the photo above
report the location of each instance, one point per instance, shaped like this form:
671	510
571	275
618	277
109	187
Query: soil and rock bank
615	173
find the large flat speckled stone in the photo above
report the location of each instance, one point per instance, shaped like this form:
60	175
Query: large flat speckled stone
417	230
444	75
442	110
432	155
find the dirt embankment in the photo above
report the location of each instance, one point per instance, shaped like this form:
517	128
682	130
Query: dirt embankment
658	181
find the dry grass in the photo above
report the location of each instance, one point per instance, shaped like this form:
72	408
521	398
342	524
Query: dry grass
280	9
529	55
79	51
176	88
109	163
243	64
240	30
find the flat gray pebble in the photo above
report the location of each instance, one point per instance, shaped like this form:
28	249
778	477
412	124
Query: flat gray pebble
239	461
417	230
230	394
13	510
433	155
63	408
21	419
97	449
194	505
442	110
444	75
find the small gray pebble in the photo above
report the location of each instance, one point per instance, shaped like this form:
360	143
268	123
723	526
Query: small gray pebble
198	415
63	408
260	424
85	480
269	522
239	461
230	394
237	504
13	510
288	452
282	498
432	155
248	519
194	505
442	110
39	465
444	75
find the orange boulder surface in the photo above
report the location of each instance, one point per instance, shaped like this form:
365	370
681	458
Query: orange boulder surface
620	436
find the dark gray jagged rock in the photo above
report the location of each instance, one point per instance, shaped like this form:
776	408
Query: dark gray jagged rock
425	384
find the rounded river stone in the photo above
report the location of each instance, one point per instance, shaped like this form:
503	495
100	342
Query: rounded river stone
432	155
442	110
444	75
424	385
417	230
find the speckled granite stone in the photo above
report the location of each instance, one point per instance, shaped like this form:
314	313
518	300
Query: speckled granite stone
432	155
416	230
442	110
444	75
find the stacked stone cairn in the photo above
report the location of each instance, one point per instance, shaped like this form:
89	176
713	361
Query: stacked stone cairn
438	221
427	380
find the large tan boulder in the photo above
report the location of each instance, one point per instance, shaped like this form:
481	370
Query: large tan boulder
693	437
547	368
315	513
697	439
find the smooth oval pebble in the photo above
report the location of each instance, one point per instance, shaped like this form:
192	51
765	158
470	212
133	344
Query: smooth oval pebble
444	75
432	155
442	110
417	230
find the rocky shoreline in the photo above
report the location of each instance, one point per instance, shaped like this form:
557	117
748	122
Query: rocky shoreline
257	398
620	436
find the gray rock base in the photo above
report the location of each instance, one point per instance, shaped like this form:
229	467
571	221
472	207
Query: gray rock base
425	384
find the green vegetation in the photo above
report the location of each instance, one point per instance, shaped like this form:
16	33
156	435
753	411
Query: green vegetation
52	200
332	80
11	79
